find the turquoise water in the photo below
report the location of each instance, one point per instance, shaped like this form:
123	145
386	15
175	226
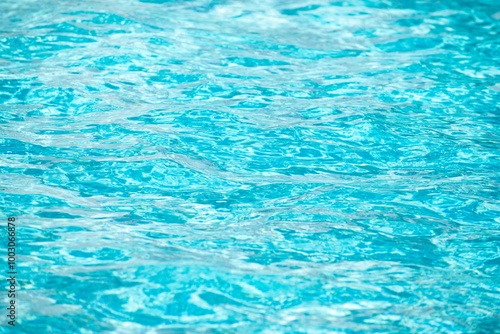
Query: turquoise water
252	166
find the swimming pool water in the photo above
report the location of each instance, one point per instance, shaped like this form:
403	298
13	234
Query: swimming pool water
259	166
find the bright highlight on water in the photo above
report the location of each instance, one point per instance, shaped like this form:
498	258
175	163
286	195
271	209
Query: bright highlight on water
250	166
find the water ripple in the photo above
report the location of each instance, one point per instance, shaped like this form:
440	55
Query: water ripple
261	166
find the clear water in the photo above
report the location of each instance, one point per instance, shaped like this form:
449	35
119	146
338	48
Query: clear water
254	166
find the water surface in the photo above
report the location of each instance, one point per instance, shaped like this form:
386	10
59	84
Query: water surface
252	166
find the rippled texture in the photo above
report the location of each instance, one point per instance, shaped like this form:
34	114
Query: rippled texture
252	166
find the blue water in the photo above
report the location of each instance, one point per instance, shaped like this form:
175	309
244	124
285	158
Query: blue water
260	166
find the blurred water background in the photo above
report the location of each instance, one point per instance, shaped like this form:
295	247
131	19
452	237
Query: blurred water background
258	166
